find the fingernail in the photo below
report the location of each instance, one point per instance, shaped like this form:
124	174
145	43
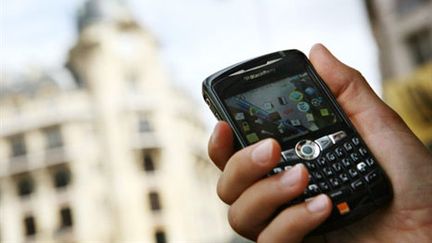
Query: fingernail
262	152
317	204
292	176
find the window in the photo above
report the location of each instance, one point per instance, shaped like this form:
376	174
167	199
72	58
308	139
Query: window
420	46
144	124
61	177
53	137
17	144
66	218
132	79
25	186
160	236
154	201
148	162
29	226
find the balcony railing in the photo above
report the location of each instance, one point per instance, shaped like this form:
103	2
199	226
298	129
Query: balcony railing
145	140
34	161
55	156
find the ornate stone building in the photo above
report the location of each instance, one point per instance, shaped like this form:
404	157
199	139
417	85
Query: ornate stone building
105	150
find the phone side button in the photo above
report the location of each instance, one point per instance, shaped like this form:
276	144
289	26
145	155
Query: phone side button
207	100
215	113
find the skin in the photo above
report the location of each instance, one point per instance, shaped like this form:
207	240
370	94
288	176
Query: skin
254	198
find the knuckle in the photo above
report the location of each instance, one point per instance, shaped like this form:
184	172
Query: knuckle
222	193
262	238
240	225
357	74
233	219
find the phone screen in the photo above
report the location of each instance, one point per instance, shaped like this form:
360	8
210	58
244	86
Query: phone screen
284	109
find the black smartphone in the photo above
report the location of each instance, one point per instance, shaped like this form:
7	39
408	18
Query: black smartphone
281	96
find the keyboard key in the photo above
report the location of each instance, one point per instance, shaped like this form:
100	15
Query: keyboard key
310	165
330	156
358	185
362	167
339	152
370	161
355	140
313	189
344	177
337	136
362	151
289	155
337	167
317	175
348	146
327	171
324	186
287	167
324	142
347	162
277	170
355	157
353	173
339	194
335	182
321	161
372	177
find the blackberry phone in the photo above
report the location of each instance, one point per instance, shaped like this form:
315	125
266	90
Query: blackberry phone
280	96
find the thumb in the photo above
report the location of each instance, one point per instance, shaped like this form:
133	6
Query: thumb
366	110
348	85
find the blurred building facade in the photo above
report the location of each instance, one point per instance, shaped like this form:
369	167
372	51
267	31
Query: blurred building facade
105	150
403	29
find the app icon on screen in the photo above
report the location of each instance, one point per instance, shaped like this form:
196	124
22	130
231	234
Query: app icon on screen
296	96
303	106
295	122
316	101
268	106
259	121
239	116
245	126
281	127
265	132
310	91
309	117
252	111
252	138
282	100
324	112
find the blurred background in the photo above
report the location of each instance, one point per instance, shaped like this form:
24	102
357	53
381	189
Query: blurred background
103	131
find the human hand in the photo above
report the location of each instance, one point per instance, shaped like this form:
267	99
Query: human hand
254	198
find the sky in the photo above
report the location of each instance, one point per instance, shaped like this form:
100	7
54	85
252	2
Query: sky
197	37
